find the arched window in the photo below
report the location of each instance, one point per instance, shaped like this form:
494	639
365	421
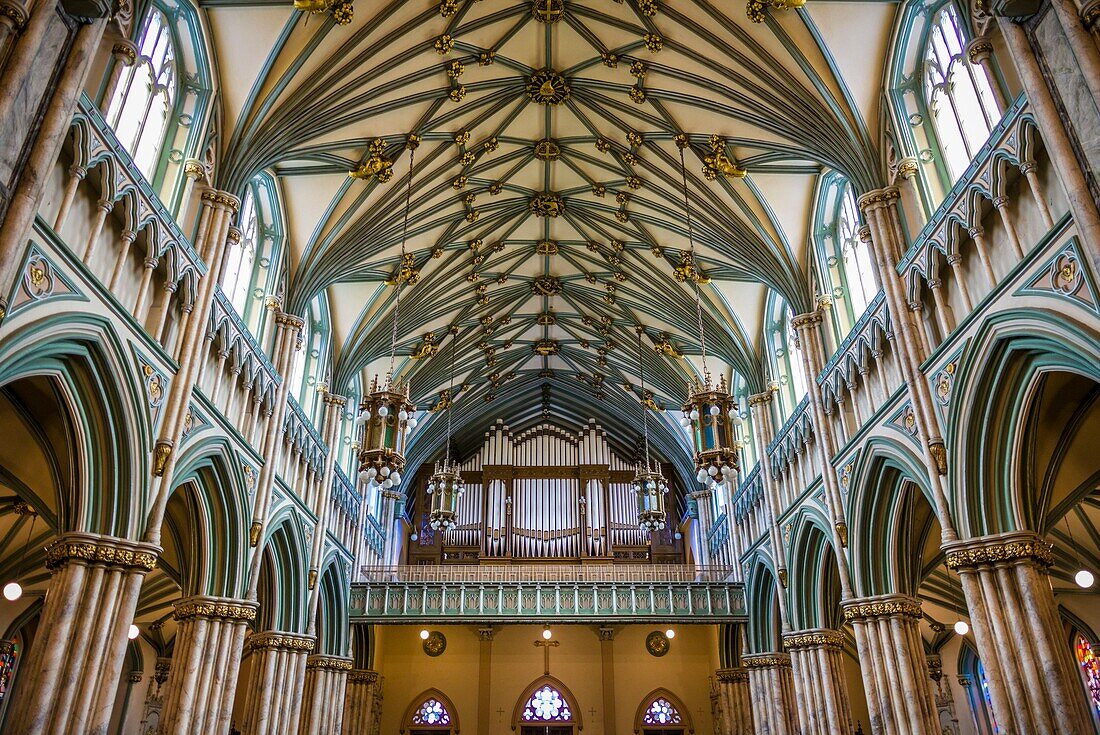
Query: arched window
959	98
546	706
788	373
252	263
146	94
662	713
430	713
845	270
1090	671
240	257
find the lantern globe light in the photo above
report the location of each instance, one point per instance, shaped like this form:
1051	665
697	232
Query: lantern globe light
1084	579
962	627
133	632
546	634
424	634
13	591
670	634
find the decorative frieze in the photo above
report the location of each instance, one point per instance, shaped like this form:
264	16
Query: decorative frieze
214	607
362	676
732	676
328	663
285	641
813	639
766	660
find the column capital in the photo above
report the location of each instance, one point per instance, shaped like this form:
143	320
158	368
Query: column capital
979	49
813	638
90	548
324	662
1005	547
732	676
275	640
332	399
215	608
1090	14
878	198
125	52
221	200
13	13
768	660
805	321
363	676
606	633
882	606
289	321
757	399
486	634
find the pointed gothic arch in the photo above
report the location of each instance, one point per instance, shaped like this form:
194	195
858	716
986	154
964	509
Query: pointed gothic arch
568	714
668	705
438	704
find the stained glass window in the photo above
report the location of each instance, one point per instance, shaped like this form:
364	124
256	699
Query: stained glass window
661	712
8	652
432	713
547	705
1090	669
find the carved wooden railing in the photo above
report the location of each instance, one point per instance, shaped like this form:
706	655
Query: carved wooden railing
547	573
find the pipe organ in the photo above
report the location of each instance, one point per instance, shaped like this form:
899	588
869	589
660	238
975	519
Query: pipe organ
543	494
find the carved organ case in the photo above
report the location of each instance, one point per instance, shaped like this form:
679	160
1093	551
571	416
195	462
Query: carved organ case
544	495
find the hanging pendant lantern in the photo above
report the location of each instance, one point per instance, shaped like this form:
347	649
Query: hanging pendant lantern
650	489
446	486
649	485
710	412
386	414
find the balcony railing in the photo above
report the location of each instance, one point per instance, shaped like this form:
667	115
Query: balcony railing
547	573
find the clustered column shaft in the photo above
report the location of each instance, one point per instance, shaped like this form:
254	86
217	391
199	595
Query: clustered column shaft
273	700
363	705
1032	678
326	683
891	655
198	695
771	687
732	702
817	660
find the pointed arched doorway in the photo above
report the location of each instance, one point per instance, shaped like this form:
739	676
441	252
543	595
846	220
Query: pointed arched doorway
547	707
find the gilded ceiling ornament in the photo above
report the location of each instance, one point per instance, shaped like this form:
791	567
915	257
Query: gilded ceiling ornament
407	272
341	9
718	163
657	252
447	8
546	286
444	44
630	159
633	182
491	144
610	60
472	215
547	204
546	347
547	318
633	138
546	247
469	198
653	42
648	7
455	69
467	158
457	93
755	8
486	57
548	11
462	137
459	183
428	348
376	166
599	190
687	270
547	150
602	145
437	252
639	69
548	87
663	345
496	187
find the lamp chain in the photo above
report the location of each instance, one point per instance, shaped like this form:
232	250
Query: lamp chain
451	395
401	266
694	266
645	408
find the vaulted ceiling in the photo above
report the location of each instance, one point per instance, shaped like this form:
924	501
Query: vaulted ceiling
547	215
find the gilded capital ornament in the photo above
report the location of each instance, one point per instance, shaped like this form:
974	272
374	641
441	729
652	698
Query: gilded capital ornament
992	550
328	663
766	660
280	641
102	550
813	639
732	676
215	608
886	606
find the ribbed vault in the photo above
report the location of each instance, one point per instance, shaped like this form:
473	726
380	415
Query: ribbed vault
548	213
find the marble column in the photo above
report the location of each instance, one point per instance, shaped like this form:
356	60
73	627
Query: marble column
771	688
326	683
1033	681
72	669
733	702
891	656
363	703
198	696
274	693
819	681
